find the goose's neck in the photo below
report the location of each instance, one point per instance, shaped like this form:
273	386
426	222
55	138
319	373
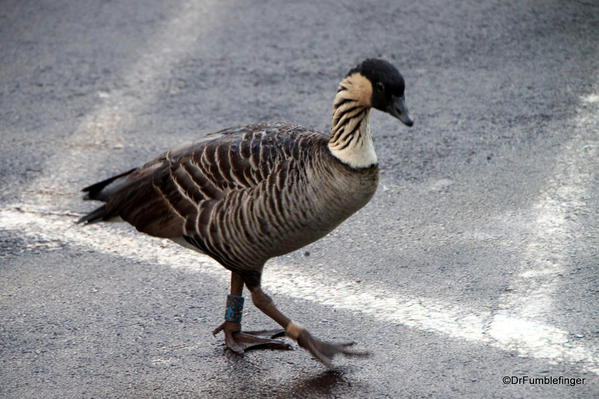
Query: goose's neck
350	140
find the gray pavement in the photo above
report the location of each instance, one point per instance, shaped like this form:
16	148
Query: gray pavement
477	258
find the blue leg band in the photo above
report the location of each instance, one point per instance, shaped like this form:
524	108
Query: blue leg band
234	308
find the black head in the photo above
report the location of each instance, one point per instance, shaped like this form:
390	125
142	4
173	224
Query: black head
388	88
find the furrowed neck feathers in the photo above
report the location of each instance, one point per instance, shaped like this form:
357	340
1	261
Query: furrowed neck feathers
350	140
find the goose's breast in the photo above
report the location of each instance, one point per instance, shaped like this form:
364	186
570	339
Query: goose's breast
317	205
349	191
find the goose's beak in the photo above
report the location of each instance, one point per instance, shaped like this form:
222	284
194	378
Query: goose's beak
398	109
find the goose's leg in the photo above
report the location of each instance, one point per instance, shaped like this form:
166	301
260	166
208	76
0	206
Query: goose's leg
323	351
238	341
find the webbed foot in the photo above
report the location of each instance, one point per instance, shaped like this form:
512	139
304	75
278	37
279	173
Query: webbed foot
326	351
241	341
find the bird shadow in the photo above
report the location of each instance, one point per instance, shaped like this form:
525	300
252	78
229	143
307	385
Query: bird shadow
323	384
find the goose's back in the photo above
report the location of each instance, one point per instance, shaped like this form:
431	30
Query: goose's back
243	195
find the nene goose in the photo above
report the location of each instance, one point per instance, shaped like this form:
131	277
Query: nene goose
244	195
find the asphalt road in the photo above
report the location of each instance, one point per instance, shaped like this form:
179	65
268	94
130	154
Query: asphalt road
477	258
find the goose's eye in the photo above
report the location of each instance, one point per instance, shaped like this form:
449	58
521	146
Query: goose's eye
380	86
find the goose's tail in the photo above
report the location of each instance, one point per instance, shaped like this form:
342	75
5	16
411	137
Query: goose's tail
96	215
102	191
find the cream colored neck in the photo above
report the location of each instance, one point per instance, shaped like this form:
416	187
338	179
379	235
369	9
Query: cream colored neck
350	139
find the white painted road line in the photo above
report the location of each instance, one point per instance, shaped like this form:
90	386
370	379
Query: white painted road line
114	114
518	322
368	299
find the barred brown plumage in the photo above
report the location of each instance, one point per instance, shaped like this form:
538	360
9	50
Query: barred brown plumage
244	195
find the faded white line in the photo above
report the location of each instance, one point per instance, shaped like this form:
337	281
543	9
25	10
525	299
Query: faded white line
100	128
376	301
518	323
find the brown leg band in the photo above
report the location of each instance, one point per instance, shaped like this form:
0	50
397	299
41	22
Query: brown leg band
294	330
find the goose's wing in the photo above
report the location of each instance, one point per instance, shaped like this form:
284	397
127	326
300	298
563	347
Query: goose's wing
159	197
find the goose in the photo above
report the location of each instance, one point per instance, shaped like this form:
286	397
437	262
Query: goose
246	194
